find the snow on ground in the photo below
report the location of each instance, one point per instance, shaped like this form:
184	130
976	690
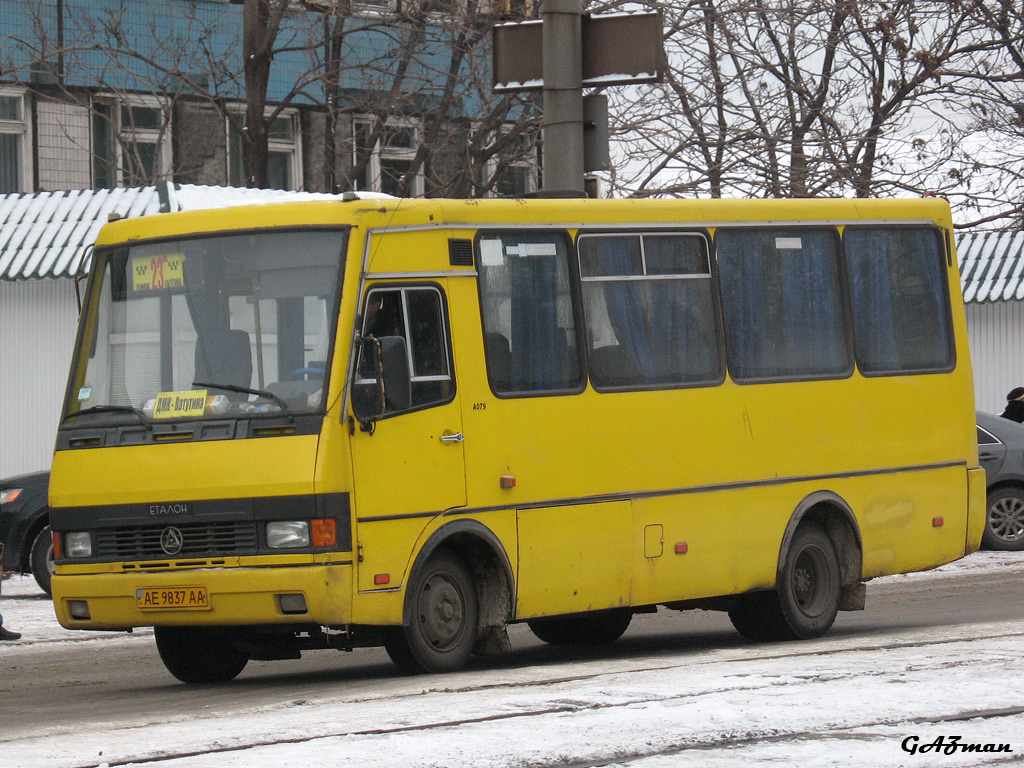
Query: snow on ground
839	701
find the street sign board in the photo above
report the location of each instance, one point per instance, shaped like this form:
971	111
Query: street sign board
618	49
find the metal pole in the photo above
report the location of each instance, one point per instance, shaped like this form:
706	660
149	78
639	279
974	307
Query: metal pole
562	121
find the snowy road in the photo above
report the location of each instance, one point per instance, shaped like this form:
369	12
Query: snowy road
855	698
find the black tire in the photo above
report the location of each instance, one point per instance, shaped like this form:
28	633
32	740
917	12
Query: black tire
200	654
806	599
1004	520
440	632
41	559
598	628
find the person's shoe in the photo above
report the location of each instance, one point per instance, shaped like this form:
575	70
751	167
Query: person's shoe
6	634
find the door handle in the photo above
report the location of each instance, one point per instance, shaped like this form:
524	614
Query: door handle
458	437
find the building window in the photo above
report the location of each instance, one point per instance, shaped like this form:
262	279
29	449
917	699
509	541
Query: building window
284	153
512	170
131	142
14	143
390	156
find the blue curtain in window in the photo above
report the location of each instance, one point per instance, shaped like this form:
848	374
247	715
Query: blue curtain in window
867	261
814	338
539	346
623	301
744	306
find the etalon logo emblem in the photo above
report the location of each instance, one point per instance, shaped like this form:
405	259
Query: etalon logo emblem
171	540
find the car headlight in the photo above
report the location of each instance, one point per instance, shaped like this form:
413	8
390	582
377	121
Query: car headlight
288	534
78	544
8	495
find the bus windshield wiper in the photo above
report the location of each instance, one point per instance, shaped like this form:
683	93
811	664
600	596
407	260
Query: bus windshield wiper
245	391
110	409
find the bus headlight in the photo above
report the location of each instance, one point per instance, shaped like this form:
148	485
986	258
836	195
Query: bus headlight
78	544
288	534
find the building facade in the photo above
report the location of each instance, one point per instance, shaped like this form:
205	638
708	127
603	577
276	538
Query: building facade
381	97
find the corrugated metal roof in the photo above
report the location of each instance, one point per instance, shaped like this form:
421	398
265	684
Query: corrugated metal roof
991	265
46	234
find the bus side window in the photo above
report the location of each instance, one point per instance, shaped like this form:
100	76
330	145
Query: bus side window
782	303
528	316
416	314
900	301
650	312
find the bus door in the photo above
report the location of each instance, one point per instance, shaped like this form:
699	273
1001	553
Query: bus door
408	465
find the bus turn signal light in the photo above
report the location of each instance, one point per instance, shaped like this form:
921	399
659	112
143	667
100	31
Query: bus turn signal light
324	532
381	579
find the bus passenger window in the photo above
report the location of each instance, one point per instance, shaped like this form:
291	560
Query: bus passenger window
782	304
650	310
526	303
900	303
417	315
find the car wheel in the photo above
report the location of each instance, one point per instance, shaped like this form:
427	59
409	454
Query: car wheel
599	628
806	599
199	654
41	559
440	633
1004	521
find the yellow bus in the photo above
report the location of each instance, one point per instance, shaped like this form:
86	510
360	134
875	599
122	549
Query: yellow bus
410	423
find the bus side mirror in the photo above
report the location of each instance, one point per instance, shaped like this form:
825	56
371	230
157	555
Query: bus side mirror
382	380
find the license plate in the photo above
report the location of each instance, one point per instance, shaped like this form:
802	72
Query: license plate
173	598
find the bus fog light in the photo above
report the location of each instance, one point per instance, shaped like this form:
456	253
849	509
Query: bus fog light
288	534
293	603
78	544
79	610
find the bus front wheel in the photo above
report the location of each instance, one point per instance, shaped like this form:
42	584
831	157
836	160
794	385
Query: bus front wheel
440	631
599	628
806	600
199	654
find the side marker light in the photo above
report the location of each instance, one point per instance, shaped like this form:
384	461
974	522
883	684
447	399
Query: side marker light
508	481
682	548
938	522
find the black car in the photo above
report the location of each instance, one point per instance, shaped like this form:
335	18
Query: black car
1001	450
25	526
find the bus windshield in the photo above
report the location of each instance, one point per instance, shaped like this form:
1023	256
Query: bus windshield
208	327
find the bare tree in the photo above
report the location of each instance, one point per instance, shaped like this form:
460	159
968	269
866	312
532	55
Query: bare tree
822	97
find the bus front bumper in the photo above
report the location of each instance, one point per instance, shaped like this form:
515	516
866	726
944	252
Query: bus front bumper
205	597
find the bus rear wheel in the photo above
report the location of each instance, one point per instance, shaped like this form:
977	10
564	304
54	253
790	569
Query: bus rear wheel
806	600
440	631
600	628
199	654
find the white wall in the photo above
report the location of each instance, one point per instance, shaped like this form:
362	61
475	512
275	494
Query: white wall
38	320
996	334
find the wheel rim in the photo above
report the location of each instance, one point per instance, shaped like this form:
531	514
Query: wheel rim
442	612
1006	518
812	581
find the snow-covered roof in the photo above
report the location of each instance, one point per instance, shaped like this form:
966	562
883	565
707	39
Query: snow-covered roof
48	234
991	265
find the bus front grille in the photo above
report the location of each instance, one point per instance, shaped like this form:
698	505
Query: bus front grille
197	540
